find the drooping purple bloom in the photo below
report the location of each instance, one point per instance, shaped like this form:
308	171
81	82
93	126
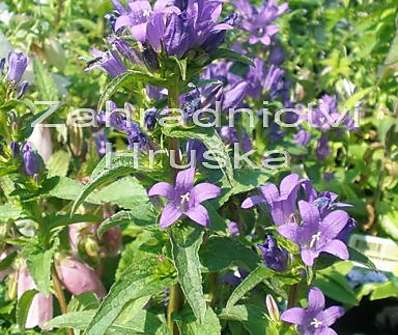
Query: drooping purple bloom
259	22
184	199
302	138
282	202
315	319
31	160
277	55
15	149
327	202
150	118
2	65
17	63
255	78
323	149
100	143
235	95
108	61
316	235
274	80
125	49
274	256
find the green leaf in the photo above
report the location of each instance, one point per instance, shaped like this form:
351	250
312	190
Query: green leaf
104	178
385	290
125	79
189	326
229	252
252	280
252	317
186	259
9	212
231	55
58	164
210	138
130	287
23	307
7	262
39	265
335	285
182	65
45	82
142	216
360	258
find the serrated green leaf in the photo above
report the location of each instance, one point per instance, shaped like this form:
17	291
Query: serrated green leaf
252	317
124	79
189	326
23	307
39	265
130	287
58	164
45	82
186	259
229	252
359	257
252	280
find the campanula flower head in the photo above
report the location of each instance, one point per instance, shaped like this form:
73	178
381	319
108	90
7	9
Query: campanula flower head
323	149
274	256
184	199
259	22
175	27
17	63
32	161
108	61
314	319
326	115
302	137
315	235
281	202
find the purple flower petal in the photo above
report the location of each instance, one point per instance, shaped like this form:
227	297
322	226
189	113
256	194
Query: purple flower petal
337	248
185	179
252	201
316	300
155	31
334	223
294	315
205	191
308	256
309	213
324	331
169	216
199	214
331	314
162	189
270	192
290	231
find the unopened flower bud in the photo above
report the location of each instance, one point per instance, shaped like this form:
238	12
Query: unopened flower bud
79	278
17	63
272	308
31	159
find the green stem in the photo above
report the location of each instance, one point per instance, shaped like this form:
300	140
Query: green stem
176	298
60	296
213	288
293	296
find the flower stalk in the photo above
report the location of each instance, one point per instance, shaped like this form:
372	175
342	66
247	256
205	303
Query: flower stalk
59	294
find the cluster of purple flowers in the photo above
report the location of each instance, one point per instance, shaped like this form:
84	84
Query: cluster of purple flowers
172	28
315	223
13	68
259	22
325	117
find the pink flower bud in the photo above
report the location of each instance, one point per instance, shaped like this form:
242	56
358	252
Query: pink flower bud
41	309
79	278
